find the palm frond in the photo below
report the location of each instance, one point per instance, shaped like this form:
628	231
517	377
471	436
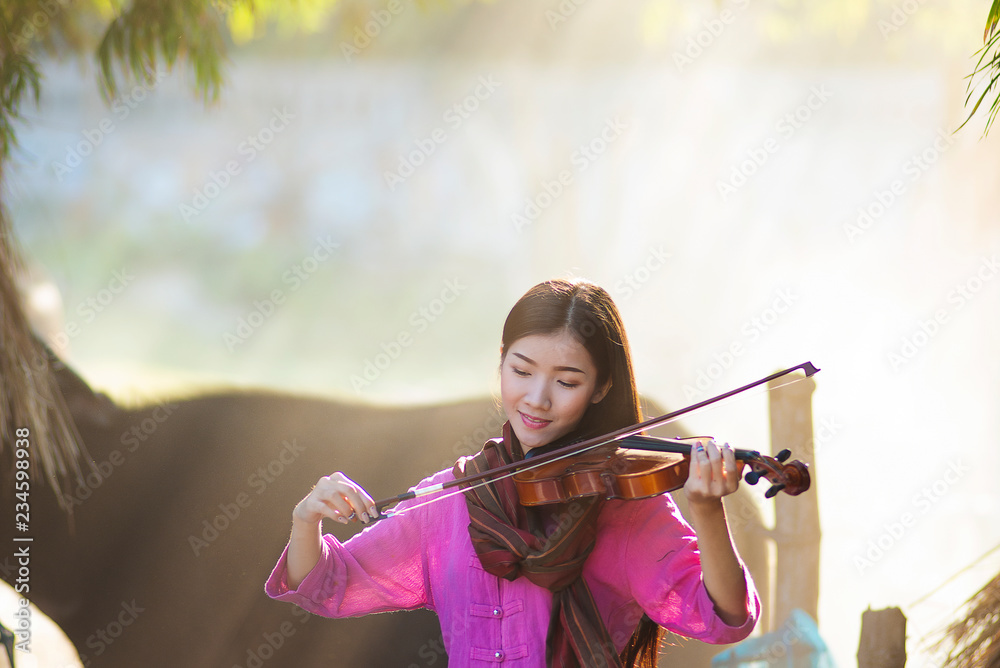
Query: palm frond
992	19
144	38
974	640
988	68
30	401
149	34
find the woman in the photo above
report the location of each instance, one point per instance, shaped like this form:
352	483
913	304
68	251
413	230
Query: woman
587	583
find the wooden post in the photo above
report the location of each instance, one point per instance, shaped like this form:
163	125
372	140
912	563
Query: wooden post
883	639
796	527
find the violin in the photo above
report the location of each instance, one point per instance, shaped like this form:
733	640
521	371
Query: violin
626	464
645	466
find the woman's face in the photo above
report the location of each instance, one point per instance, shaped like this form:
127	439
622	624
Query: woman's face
547	382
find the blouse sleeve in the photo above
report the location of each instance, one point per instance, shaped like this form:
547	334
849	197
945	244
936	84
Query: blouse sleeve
665	576
383	568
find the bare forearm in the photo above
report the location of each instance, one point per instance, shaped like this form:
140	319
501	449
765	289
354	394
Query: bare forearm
723	576
304	551
335	496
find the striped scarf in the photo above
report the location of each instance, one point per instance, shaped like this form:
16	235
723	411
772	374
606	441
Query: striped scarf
512	540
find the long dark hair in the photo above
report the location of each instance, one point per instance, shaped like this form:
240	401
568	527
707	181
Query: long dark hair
587	312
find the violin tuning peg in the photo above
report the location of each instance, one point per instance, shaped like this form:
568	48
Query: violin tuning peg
783	455
753	476
773	492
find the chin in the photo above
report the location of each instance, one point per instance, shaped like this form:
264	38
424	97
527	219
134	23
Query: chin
534	439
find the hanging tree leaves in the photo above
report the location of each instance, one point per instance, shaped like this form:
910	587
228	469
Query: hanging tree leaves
134	41
988	67
975	638
140	37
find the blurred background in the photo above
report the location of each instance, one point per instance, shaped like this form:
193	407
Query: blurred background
757	184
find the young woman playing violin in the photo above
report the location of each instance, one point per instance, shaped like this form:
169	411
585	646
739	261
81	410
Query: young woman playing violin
588	582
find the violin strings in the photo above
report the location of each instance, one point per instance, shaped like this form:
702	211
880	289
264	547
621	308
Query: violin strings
481	483
476	485
442	494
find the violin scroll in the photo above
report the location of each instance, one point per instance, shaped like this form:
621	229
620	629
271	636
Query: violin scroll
791	478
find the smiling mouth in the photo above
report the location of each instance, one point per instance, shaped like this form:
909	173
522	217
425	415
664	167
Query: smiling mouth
533	422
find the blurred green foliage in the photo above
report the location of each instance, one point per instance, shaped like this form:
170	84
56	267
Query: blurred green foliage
988	67
131	39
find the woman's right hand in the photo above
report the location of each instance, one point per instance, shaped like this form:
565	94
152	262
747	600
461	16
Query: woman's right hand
338	497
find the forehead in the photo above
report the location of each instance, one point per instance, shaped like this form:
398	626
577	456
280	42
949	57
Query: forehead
553	350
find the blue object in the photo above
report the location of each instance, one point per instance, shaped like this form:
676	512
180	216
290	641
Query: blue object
796	644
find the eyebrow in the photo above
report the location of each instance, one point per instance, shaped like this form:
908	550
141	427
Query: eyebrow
558	368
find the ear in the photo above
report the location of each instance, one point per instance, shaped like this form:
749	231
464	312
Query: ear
601	392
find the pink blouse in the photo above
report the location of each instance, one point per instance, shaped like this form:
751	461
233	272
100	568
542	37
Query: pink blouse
645	560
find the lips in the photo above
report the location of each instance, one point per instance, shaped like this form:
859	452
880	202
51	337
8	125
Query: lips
532	422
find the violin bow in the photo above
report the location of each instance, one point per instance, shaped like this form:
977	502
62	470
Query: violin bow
595	442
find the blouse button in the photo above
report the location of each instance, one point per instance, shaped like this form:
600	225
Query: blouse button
498	655
497	612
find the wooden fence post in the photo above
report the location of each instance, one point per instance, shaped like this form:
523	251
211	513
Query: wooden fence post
796	527
883	639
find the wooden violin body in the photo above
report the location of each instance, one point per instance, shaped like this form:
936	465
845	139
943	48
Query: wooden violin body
615	473
643	467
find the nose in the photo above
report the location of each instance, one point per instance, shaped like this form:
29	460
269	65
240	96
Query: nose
538	395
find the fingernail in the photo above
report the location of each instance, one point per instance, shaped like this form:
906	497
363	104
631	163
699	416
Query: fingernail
364	518
342	519
373	511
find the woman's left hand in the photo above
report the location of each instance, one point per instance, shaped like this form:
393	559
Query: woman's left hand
712	474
